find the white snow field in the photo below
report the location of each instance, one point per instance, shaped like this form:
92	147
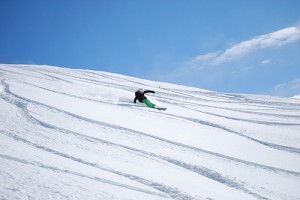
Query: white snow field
76	134
297	97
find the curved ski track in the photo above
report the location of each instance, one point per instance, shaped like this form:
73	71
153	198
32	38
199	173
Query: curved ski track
148	150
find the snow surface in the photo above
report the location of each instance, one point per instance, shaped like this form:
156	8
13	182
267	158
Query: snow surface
296	97
75	134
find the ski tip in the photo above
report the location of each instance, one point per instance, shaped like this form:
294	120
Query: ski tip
161	109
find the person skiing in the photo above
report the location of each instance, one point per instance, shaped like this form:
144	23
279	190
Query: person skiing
140	96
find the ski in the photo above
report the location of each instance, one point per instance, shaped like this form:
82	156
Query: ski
161	109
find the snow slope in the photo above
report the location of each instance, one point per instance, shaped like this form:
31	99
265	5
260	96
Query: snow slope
75	134
296	97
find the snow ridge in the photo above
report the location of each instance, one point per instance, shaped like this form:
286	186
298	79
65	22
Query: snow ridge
65	130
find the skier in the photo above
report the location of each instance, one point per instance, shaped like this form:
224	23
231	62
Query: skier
140	96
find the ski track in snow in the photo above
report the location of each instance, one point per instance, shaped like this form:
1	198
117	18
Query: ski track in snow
47	167
280	147
172	192
19	104
136	145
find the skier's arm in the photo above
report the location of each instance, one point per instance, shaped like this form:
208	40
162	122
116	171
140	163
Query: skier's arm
149	91
135	99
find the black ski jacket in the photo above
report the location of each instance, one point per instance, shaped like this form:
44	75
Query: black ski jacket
140	95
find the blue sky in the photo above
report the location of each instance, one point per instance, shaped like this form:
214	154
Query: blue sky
250	46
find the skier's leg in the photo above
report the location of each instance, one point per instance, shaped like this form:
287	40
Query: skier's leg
148	103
